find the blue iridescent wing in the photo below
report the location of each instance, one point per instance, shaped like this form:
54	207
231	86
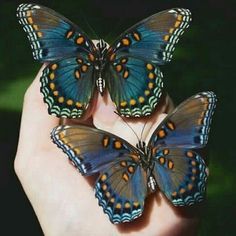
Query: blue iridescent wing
121	187
179	171
135	86
51	35
188	125
68	86
68	82
180	175
134	59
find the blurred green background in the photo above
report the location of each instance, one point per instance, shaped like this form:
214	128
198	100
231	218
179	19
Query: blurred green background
203	61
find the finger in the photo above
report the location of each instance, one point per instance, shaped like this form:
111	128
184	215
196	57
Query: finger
36	123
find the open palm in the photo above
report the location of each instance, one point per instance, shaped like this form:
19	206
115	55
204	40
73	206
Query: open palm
64	200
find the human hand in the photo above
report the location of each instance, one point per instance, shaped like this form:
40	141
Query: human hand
64	200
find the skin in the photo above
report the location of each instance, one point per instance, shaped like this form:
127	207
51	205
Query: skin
63	199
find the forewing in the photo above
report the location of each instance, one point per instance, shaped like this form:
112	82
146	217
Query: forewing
188	125
180	175
68	86
90	149
153	39
51	35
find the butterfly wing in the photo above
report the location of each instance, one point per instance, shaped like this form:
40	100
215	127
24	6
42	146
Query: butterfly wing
180	175
188	125
121	186
51	35
67	83
133	77
68	86
179	171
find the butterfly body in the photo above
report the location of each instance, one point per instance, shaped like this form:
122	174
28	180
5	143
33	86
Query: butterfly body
128	68
168	162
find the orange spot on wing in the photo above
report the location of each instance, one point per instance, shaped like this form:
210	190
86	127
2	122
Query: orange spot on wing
118	68
55	93
171	30
190	186
77	74
132	102
166	151
77	151
141	99
147	92
161	133
103	177
79	105
118	206
170	125
170	164
84	68
125	177
69	102
179	17
117	144
162	160
54	66
104	187
189	154
182	190
177	23
123	163
149	66
40	34
69	34
124	60
108	194
30	20
125	41
126	74
52	86
52	76
105	141
61	99
151	75
166	37
136	36
131	169
123	104
35	27
80	40
150	85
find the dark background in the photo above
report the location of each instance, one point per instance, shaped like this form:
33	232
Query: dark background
203	61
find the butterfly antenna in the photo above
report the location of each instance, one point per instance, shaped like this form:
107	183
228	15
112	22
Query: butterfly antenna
141	137
89	26
127	125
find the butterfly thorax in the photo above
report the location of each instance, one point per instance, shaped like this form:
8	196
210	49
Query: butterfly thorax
147	163
100	64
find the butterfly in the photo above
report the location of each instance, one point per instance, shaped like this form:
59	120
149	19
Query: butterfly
127	174
78	69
